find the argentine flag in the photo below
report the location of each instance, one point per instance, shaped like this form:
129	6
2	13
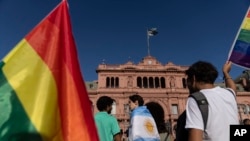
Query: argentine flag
142	126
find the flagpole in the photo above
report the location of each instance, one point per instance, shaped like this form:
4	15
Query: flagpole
148	42
150	32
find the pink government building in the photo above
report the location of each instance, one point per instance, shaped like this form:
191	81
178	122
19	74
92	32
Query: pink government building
155	82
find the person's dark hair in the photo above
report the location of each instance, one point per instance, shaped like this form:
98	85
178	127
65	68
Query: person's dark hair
158	114
138	98
245	121
103	102
203	72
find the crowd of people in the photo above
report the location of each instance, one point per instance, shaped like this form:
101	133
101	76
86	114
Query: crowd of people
147	120
245	80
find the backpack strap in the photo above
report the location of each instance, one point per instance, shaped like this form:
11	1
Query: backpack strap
202	104
166	138
231	91
239	114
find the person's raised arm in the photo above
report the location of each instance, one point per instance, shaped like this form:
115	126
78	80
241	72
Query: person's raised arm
228	80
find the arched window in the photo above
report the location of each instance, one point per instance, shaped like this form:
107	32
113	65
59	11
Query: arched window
145	82
139	84
151	82
107	82
163	83
112	82
116	82
157	82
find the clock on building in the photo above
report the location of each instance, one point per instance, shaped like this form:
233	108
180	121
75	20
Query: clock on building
149	62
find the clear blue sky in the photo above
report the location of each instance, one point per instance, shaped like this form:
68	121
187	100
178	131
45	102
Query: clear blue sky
115	30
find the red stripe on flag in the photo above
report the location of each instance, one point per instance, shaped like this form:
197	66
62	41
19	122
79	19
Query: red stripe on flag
248	14
53	41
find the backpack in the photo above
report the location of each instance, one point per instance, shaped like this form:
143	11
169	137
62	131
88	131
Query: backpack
181	132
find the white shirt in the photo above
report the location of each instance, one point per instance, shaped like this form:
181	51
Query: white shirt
223	112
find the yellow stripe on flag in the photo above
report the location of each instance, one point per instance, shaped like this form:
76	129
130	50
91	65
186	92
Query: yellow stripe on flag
246	24
35	86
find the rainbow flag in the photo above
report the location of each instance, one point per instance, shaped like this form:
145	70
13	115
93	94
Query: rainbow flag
240	51
42	92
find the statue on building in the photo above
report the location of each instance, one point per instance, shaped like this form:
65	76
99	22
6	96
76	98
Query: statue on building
172	82
130	81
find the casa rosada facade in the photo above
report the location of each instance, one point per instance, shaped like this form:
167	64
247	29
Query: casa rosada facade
164	84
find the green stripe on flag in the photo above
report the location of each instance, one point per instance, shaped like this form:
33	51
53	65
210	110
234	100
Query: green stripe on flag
244	35
14	122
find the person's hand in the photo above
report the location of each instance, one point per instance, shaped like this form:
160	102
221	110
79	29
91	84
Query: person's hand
228	80
227	67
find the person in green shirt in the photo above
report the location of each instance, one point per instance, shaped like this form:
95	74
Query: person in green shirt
107	125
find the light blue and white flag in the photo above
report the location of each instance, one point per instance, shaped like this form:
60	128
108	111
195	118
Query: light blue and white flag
152	32
142	126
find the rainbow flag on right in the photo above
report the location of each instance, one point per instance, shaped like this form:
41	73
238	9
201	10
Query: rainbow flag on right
240	51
